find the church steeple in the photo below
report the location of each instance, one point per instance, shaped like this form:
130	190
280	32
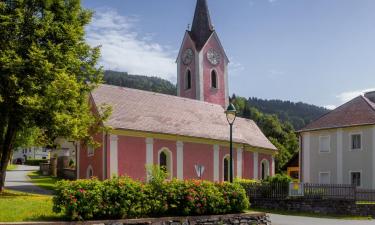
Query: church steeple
202	27
202	65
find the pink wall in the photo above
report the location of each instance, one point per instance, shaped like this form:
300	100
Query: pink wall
132	157
96	161
190	93
248	165
198	154
212	95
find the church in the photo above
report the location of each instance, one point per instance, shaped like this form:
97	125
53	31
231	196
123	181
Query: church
187	134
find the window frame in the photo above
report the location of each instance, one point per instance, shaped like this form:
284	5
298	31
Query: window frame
360	177
90	151
268	169
320	144
329	177
213	71
351	141
169	155
188	81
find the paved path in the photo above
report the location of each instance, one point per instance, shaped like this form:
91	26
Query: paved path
301	220
18	180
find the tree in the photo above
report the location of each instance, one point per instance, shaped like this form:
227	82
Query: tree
281	134
47	71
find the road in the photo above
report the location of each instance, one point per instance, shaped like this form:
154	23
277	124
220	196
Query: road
301	220
18	180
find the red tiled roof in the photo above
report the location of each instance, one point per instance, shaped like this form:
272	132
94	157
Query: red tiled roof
158	113
357	112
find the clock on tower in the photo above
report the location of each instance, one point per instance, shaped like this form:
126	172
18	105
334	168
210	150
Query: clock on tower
202	65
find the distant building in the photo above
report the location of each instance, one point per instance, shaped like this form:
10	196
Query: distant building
188	135
30	153
292	167
339	147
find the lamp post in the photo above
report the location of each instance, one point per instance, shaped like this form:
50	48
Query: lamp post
231	117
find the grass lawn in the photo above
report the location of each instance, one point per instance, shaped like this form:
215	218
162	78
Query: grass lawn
18	207
289	213
11	167
46	182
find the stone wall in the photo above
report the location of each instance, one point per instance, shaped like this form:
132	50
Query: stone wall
231	219
319	206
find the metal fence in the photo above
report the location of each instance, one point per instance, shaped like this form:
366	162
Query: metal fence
279	191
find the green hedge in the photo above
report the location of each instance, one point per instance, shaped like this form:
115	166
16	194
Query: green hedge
35	162
123	197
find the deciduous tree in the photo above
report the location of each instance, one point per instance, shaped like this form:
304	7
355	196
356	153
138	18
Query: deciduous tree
47	71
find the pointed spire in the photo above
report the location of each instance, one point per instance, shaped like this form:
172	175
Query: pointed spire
201	28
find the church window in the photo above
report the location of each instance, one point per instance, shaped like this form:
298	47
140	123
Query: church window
265	170
89	172
213	79
165	161
188	80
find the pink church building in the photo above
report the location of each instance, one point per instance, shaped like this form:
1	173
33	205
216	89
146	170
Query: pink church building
187	134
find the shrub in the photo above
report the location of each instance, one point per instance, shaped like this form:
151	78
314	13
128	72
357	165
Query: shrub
35	162
81	199
278	179
122	197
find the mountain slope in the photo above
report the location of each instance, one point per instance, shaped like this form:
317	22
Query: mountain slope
298	114
155	84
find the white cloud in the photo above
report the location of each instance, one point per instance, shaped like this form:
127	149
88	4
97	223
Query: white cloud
235	67
330	107
349	95
124	49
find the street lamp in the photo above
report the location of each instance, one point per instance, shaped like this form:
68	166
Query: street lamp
231	117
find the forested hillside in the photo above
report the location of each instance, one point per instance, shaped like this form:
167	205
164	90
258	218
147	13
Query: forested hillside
155	84
277	119
298	114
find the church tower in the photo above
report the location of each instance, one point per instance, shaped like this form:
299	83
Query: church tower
202	65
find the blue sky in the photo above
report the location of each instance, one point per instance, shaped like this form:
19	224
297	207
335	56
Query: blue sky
316	51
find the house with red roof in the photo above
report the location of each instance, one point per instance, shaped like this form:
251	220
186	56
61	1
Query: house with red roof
187	134
339	147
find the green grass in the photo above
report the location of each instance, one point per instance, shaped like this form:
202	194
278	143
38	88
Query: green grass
11	167
19	207
46	182
289	213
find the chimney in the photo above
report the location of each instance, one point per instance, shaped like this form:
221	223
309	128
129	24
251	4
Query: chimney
371	96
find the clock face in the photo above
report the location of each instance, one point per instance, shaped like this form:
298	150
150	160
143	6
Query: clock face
213	56
188	56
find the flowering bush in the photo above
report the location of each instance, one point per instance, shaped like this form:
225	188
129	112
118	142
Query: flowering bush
123	197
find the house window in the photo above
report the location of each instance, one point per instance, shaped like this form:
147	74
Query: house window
188	80
355	178
324	178
324	144
90	150
213	79
226	168
165	161
265	170
356	141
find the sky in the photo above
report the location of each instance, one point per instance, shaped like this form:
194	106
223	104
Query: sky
320	52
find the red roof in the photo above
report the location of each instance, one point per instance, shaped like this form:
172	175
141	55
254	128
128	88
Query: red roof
357	112
158	113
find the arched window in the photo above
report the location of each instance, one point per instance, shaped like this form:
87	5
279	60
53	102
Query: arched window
188	80
89	172
165	161
226	168
213	79
265	170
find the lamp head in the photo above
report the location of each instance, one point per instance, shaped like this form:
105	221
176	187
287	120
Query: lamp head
231	113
